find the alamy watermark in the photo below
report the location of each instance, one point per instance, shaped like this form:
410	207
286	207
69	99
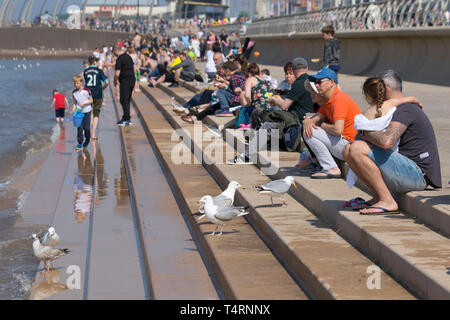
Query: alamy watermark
214	147
374	280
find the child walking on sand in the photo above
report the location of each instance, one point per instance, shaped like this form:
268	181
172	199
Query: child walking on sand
60	102
82	99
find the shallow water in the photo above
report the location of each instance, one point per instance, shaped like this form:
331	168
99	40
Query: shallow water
27	128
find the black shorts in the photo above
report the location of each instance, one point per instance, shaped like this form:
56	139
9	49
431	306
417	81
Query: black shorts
60	112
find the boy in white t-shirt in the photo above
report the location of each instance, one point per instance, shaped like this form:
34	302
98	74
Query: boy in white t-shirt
82	99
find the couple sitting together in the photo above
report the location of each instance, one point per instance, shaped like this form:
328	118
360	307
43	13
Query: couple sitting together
391	147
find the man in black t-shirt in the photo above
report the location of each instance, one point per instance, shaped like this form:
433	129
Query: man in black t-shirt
298	100
415	166
124	75
224	42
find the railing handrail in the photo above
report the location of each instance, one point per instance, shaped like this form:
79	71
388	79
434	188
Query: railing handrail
387	14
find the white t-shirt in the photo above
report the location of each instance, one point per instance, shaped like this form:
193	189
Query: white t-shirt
210	65
82	96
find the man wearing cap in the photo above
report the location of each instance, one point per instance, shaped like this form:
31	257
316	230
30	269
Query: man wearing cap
332	128
298	99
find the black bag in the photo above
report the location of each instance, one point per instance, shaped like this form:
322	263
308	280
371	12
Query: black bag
198	76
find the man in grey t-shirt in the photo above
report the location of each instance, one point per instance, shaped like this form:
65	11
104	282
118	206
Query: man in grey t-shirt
415	166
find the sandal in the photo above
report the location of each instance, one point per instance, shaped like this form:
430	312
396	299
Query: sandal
327	175
193	111
381	212
188	119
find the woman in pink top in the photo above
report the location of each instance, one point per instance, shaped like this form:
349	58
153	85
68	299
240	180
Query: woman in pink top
212	37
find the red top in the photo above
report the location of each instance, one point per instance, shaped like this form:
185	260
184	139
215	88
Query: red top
59	101
342	107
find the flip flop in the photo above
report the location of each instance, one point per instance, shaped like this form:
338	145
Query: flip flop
327	176
188	120
384	211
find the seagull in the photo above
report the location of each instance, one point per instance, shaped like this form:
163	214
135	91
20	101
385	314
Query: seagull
220	214
46	253
277	188
226	198
50	238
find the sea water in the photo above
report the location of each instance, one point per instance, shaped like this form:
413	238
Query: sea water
27	130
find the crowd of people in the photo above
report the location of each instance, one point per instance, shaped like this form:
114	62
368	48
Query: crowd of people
391	146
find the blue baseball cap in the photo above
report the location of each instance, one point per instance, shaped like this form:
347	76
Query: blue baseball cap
324	73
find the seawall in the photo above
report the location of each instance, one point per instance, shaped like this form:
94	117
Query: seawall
419	55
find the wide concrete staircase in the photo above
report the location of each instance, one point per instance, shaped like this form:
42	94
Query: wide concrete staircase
140	236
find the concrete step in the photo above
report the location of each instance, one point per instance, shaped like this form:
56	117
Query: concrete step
241	263
174	266
115	267
182	95
309	248
42	201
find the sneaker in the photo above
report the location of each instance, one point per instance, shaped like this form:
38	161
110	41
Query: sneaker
123	123
85	145
79	147
180	109
214	130
224	113
233	109
304	161
240	159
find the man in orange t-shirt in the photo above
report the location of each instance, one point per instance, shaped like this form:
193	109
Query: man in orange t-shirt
332	128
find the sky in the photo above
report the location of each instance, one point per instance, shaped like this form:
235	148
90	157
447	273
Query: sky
50	5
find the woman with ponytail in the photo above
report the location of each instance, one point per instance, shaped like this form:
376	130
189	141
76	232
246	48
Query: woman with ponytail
378	115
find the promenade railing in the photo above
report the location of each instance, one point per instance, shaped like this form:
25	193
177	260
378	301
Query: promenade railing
366	16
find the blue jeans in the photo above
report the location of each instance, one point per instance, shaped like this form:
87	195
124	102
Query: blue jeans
199	99
224	98
400	173
85	129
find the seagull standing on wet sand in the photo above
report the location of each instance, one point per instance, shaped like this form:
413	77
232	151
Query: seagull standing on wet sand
277	188
46	253
220	214
50	238
226	198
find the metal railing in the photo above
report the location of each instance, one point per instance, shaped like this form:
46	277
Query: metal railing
366	16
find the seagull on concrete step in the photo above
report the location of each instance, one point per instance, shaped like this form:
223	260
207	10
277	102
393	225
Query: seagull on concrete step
219	215
277	188
50	238
226	198
46	253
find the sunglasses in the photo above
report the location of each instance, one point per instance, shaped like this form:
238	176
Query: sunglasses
319	81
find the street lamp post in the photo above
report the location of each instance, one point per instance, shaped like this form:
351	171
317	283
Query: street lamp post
137	14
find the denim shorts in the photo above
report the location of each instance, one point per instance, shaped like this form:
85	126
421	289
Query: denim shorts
400	173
